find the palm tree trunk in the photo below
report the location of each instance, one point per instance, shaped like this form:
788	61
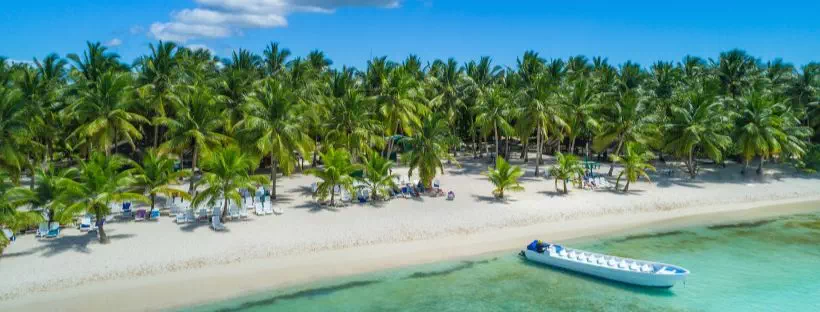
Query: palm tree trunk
745	166
153	200
626	187
556	184
525	152
539	142
332	195
101	229
565	186
156	135
497	143
572	145
273	165
618	181
224	209
507	147
690	165
760	166
193	169
617	151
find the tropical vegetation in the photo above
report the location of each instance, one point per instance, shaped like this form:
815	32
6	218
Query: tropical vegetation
90	130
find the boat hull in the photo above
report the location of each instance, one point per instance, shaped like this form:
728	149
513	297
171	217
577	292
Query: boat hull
609	273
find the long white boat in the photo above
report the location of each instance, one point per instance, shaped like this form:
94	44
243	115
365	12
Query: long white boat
625	270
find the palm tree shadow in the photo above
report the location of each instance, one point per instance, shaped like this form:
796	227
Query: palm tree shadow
492	199
79	243
315	207
551	194
303	190
192	226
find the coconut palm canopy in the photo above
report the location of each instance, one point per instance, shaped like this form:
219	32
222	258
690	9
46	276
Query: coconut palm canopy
91	110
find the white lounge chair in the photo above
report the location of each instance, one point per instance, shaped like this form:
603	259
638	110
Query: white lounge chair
243	212
180	218
268	209
85	224
216	224
258	209
234	213
9	235
53	230
42	230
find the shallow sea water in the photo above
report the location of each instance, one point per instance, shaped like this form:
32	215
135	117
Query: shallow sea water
768	265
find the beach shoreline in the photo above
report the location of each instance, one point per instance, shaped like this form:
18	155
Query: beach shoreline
195	287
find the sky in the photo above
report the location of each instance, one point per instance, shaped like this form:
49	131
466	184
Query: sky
352	31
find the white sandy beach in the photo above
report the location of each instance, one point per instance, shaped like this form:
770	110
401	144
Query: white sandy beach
159	265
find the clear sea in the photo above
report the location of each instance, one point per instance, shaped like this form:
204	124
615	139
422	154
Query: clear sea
768	265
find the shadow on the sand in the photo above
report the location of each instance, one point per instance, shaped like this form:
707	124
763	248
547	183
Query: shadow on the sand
59	245
493	199
314	207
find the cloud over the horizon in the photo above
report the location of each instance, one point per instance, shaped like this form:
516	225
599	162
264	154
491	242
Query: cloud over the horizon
224	18
113	42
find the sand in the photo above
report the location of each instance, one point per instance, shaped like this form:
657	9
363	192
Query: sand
160	265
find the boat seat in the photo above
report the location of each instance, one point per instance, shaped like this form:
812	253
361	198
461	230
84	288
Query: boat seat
646	268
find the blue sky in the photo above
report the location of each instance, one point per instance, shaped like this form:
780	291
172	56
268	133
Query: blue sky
351	31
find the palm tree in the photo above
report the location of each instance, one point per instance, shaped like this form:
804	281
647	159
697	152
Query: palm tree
11	199
399	104
13	133
336	172
226	171
735	69
276	59
504	177
627	119
765	127
427	147
697	124
47	190
580	103
196	126
567	167
378	176
155	175
105	112
494	114
353	121
95	62
635	162
157	71
273	113
103	180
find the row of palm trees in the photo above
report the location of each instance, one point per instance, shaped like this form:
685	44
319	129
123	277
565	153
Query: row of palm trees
71	118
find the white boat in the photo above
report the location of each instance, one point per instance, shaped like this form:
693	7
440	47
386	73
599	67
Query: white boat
625	270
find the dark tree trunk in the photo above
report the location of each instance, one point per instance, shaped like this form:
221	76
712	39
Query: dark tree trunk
273	165
101	229
193	169
617	152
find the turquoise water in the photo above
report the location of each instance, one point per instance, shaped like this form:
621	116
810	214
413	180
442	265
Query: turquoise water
769	265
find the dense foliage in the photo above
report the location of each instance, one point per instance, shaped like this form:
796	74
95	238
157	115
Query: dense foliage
89	111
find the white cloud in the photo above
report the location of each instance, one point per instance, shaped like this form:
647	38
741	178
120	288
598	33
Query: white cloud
136	30
113	42
224	18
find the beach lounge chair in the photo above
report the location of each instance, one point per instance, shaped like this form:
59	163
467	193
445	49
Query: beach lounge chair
189	216
243	212
436	184
234	213
314	187
180	218
451	195
9	235
259	210
216	224
267	208
126	210
53	230
203	215
140	215
85	224
42	230
154	216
